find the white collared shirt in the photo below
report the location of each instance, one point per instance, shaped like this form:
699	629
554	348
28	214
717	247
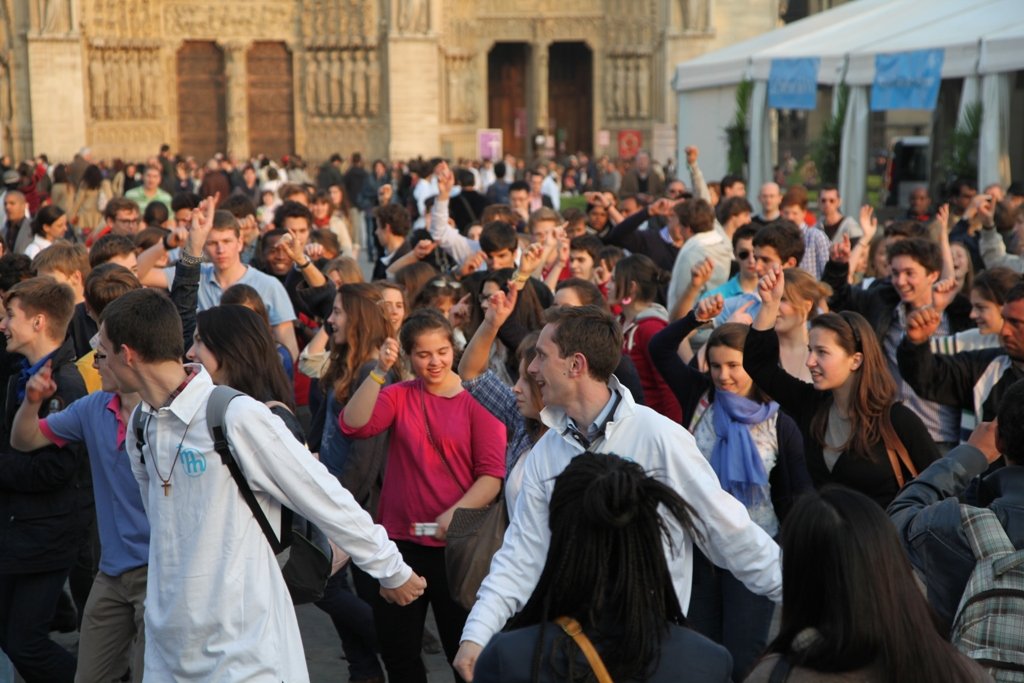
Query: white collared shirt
217	608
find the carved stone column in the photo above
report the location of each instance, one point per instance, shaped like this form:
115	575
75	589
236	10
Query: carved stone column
236	98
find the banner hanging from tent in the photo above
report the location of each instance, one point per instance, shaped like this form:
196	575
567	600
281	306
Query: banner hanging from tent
907	80
793	83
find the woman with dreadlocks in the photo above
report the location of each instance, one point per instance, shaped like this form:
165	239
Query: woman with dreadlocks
606	578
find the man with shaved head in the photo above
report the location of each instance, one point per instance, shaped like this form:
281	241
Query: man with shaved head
770	197
17	228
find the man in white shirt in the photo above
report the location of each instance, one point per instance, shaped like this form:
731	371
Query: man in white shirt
704	240
217	607
588	410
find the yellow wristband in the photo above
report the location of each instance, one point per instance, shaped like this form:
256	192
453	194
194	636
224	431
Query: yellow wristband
379	379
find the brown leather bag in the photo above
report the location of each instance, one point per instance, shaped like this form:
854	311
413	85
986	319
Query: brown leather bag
898	454
573	629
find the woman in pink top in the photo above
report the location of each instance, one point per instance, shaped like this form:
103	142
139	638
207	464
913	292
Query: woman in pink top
446	452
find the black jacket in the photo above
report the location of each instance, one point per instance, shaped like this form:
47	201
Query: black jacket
46	495
951	379
628	235
878	302
870	473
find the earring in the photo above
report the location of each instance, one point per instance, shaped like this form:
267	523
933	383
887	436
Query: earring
627	301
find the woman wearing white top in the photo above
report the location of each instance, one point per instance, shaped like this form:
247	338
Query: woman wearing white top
49	225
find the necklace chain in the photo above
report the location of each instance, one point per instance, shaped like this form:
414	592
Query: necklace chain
166	483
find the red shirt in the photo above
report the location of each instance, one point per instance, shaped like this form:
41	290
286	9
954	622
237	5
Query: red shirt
418	487
657	394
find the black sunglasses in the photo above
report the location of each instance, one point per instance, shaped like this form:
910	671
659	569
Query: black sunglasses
743	255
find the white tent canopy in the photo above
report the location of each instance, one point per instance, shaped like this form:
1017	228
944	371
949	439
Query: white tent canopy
978	37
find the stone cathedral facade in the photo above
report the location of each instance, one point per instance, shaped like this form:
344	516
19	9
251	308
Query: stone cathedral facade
392	78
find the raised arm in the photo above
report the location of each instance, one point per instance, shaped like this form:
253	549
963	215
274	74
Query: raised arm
686	381
699	276
25	432
700	186
359	409
761	353
477	354
458	246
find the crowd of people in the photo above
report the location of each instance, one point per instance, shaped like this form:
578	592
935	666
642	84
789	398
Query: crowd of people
733	443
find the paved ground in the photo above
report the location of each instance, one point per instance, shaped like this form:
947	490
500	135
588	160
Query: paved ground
323	650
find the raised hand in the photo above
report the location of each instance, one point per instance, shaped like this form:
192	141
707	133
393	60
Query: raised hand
840	251
200	226
709	308
459	313
868	223
943	293
424	248
388	355
662	207
772	286
942	215
701	272
922	324
445	181
691	155
501	306
742	314
41	386
531	259
472	264
314	251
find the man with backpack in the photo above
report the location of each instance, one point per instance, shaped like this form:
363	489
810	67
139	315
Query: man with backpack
971	557
217	607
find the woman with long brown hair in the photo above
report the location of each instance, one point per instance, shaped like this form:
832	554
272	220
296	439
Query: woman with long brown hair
856	432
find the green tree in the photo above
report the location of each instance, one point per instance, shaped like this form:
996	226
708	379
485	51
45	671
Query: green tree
826	149
737	133
962	156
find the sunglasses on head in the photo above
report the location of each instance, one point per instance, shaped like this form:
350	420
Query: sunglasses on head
441	282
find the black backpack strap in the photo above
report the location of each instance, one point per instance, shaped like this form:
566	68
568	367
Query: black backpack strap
140	432
216	408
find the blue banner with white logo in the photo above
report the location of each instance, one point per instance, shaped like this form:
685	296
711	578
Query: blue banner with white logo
907	80
793	83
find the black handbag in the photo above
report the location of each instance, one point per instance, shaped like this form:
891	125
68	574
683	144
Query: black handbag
303	551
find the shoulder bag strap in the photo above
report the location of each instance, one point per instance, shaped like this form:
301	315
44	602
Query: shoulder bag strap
140	432
897	455
430	438
216	408
573	629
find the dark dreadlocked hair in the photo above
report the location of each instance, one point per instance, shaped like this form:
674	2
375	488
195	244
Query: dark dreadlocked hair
606	564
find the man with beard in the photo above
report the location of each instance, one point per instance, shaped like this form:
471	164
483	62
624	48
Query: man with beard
970	380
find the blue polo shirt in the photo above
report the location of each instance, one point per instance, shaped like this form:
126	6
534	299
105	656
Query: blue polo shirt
95	420
273	293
